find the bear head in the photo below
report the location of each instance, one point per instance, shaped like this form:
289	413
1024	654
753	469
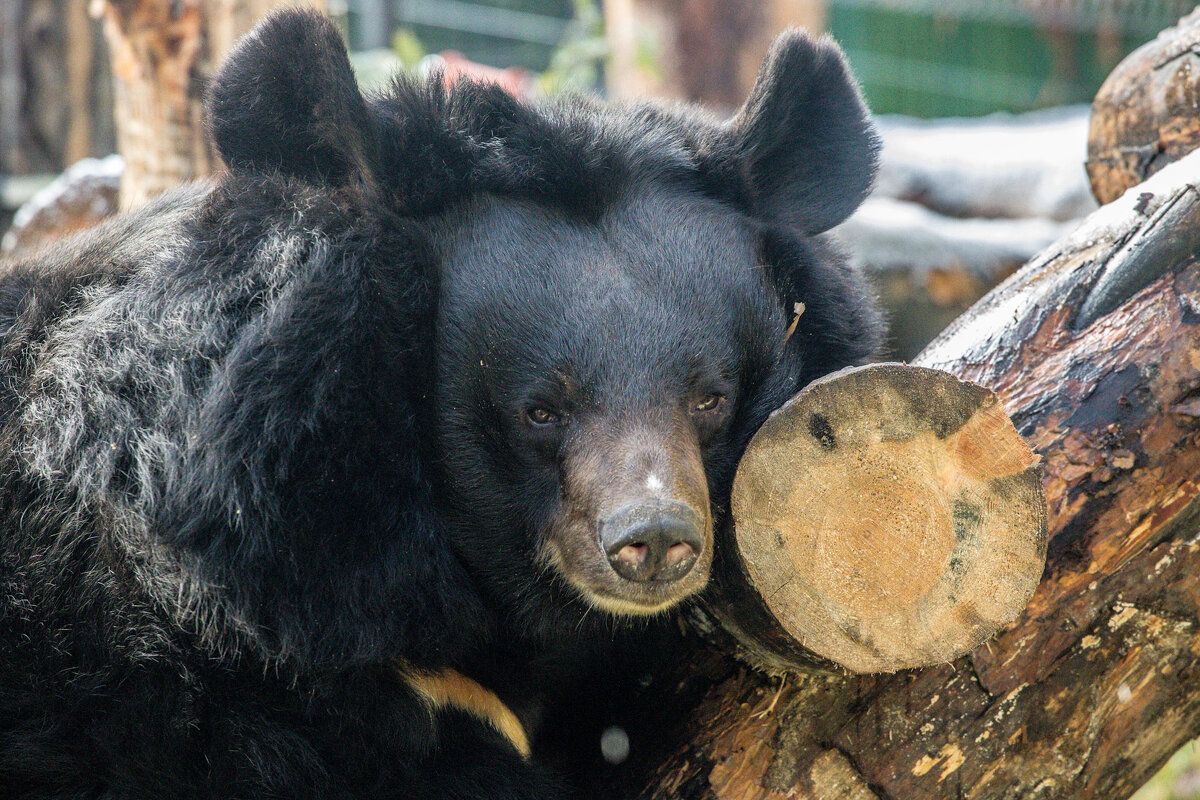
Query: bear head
615	294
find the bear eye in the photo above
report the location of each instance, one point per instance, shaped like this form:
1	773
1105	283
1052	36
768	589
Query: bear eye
710	403
542	416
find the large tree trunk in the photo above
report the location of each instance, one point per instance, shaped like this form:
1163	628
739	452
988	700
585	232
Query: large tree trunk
163	52
1095	350
700	50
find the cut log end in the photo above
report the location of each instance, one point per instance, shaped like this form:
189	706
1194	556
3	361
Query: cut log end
890	517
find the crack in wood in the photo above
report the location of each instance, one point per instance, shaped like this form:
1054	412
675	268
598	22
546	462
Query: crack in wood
973	671
1146	257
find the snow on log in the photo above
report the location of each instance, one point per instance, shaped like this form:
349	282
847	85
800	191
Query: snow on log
82	196
896	236
959	205
998	166
927	268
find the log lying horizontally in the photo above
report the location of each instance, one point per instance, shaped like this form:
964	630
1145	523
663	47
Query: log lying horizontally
1144	116
1098	682
887	517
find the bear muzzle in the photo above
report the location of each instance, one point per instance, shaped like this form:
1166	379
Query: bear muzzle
635	533
658	542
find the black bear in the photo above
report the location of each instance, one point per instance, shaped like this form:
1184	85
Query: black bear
314	480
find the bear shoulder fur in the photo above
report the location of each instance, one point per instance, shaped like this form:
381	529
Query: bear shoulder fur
244	482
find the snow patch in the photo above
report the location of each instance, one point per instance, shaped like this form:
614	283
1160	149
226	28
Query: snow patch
1001	165
108	168
890	235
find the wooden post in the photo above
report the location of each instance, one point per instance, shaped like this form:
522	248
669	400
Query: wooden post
11	88
80	57
162	53
48	80
699	50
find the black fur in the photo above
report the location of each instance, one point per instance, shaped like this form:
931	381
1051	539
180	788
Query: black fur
299	113
249	468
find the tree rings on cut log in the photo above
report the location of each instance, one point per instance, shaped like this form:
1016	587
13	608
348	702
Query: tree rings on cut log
889	517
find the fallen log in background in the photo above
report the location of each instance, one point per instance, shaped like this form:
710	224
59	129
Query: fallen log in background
1095	351
1144	116
927	269
944	225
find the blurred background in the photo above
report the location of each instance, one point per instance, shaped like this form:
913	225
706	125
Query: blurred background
983	105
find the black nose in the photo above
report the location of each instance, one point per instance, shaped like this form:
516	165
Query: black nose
652	543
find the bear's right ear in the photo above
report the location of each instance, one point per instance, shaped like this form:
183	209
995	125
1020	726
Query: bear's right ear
804	138
286	101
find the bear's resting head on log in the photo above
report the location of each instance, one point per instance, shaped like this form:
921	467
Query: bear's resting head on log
436	363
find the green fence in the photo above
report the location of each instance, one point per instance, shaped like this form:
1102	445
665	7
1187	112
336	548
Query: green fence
933	59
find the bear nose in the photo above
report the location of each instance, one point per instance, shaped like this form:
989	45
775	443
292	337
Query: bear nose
652	545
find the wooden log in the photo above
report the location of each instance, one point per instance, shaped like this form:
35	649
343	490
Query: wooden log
1144	116
82	196
1098	682
887	517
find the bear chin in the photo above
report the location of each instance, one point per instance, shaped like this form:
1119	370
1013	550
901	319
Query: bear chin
620	598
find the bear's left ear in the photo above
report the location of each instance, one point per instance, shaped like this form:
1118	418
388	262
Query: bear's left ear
286	101
804	137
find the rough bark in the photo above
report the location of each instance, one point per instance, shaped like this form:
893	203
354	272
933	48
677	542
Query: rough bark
1144	116
163	53
1098	682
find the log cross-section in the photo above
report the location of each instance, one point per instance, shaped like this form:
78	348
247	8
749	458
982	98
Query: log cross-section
887	517
1098	682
